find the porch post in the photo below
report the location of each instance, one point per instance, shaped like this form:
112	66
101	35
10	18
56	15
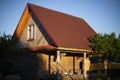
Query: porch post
57	64
84	71
49	64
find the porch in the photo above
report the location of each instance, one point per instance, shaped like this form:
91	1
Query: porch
54	63
70	69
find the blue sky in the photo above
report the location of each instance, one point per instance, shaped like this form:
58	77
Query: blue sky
102	15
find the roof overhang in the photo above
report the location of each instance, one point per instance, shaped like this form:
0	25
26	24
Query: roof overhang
39	49
49	48
73	50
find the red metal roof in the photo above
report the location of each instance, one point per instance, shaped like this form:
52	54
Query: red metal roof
64	30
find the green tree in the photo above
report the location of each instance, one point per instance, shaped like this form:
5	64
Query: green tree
97	43
110	42
5	52
106	45
8	52
117	50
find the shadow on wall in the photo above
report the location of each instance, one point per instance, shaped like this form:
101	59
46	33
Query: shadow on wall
29	67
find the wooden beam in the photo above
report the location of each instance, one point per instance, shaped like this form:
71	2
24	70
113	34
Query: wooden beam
73	64
57	64
85	71
49	64
74	50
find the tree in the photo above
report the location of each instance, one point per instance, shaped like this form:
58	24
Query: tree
106	45
5	52
98	43
117	50
8	53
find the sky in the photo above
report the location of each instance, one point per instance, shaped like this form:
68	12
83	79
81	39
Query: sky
102	15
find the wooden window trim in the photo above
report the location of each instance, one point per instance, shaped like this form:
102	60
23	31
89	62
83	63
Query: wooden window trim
31	32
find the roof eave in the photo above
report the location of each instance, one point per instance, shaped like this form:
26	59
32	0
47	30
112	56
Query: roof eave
74	50
38	49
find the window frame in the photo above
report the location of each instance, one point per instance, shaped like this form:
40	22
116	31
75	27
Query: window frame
31	32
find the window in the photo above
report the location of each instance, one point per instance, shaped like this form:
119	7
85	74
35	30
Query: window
31	32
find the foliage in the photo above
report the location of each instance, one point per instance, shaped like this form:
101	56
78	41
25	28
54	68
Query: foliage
5	51
106	45
117	50
8	53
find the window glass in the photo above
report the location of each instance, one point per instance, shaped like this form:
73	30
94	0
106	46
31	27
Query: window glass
31	32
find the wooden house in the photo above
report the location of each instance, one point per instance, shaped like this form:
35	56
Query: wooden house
56	42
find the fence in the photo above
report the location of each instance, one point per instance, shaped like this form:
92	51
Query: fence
98	70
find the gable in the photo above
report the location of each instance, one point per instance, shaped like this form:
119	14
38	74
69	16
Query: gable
39	40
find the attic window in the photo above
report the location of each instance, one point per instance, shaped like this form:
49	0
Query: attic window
31	32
